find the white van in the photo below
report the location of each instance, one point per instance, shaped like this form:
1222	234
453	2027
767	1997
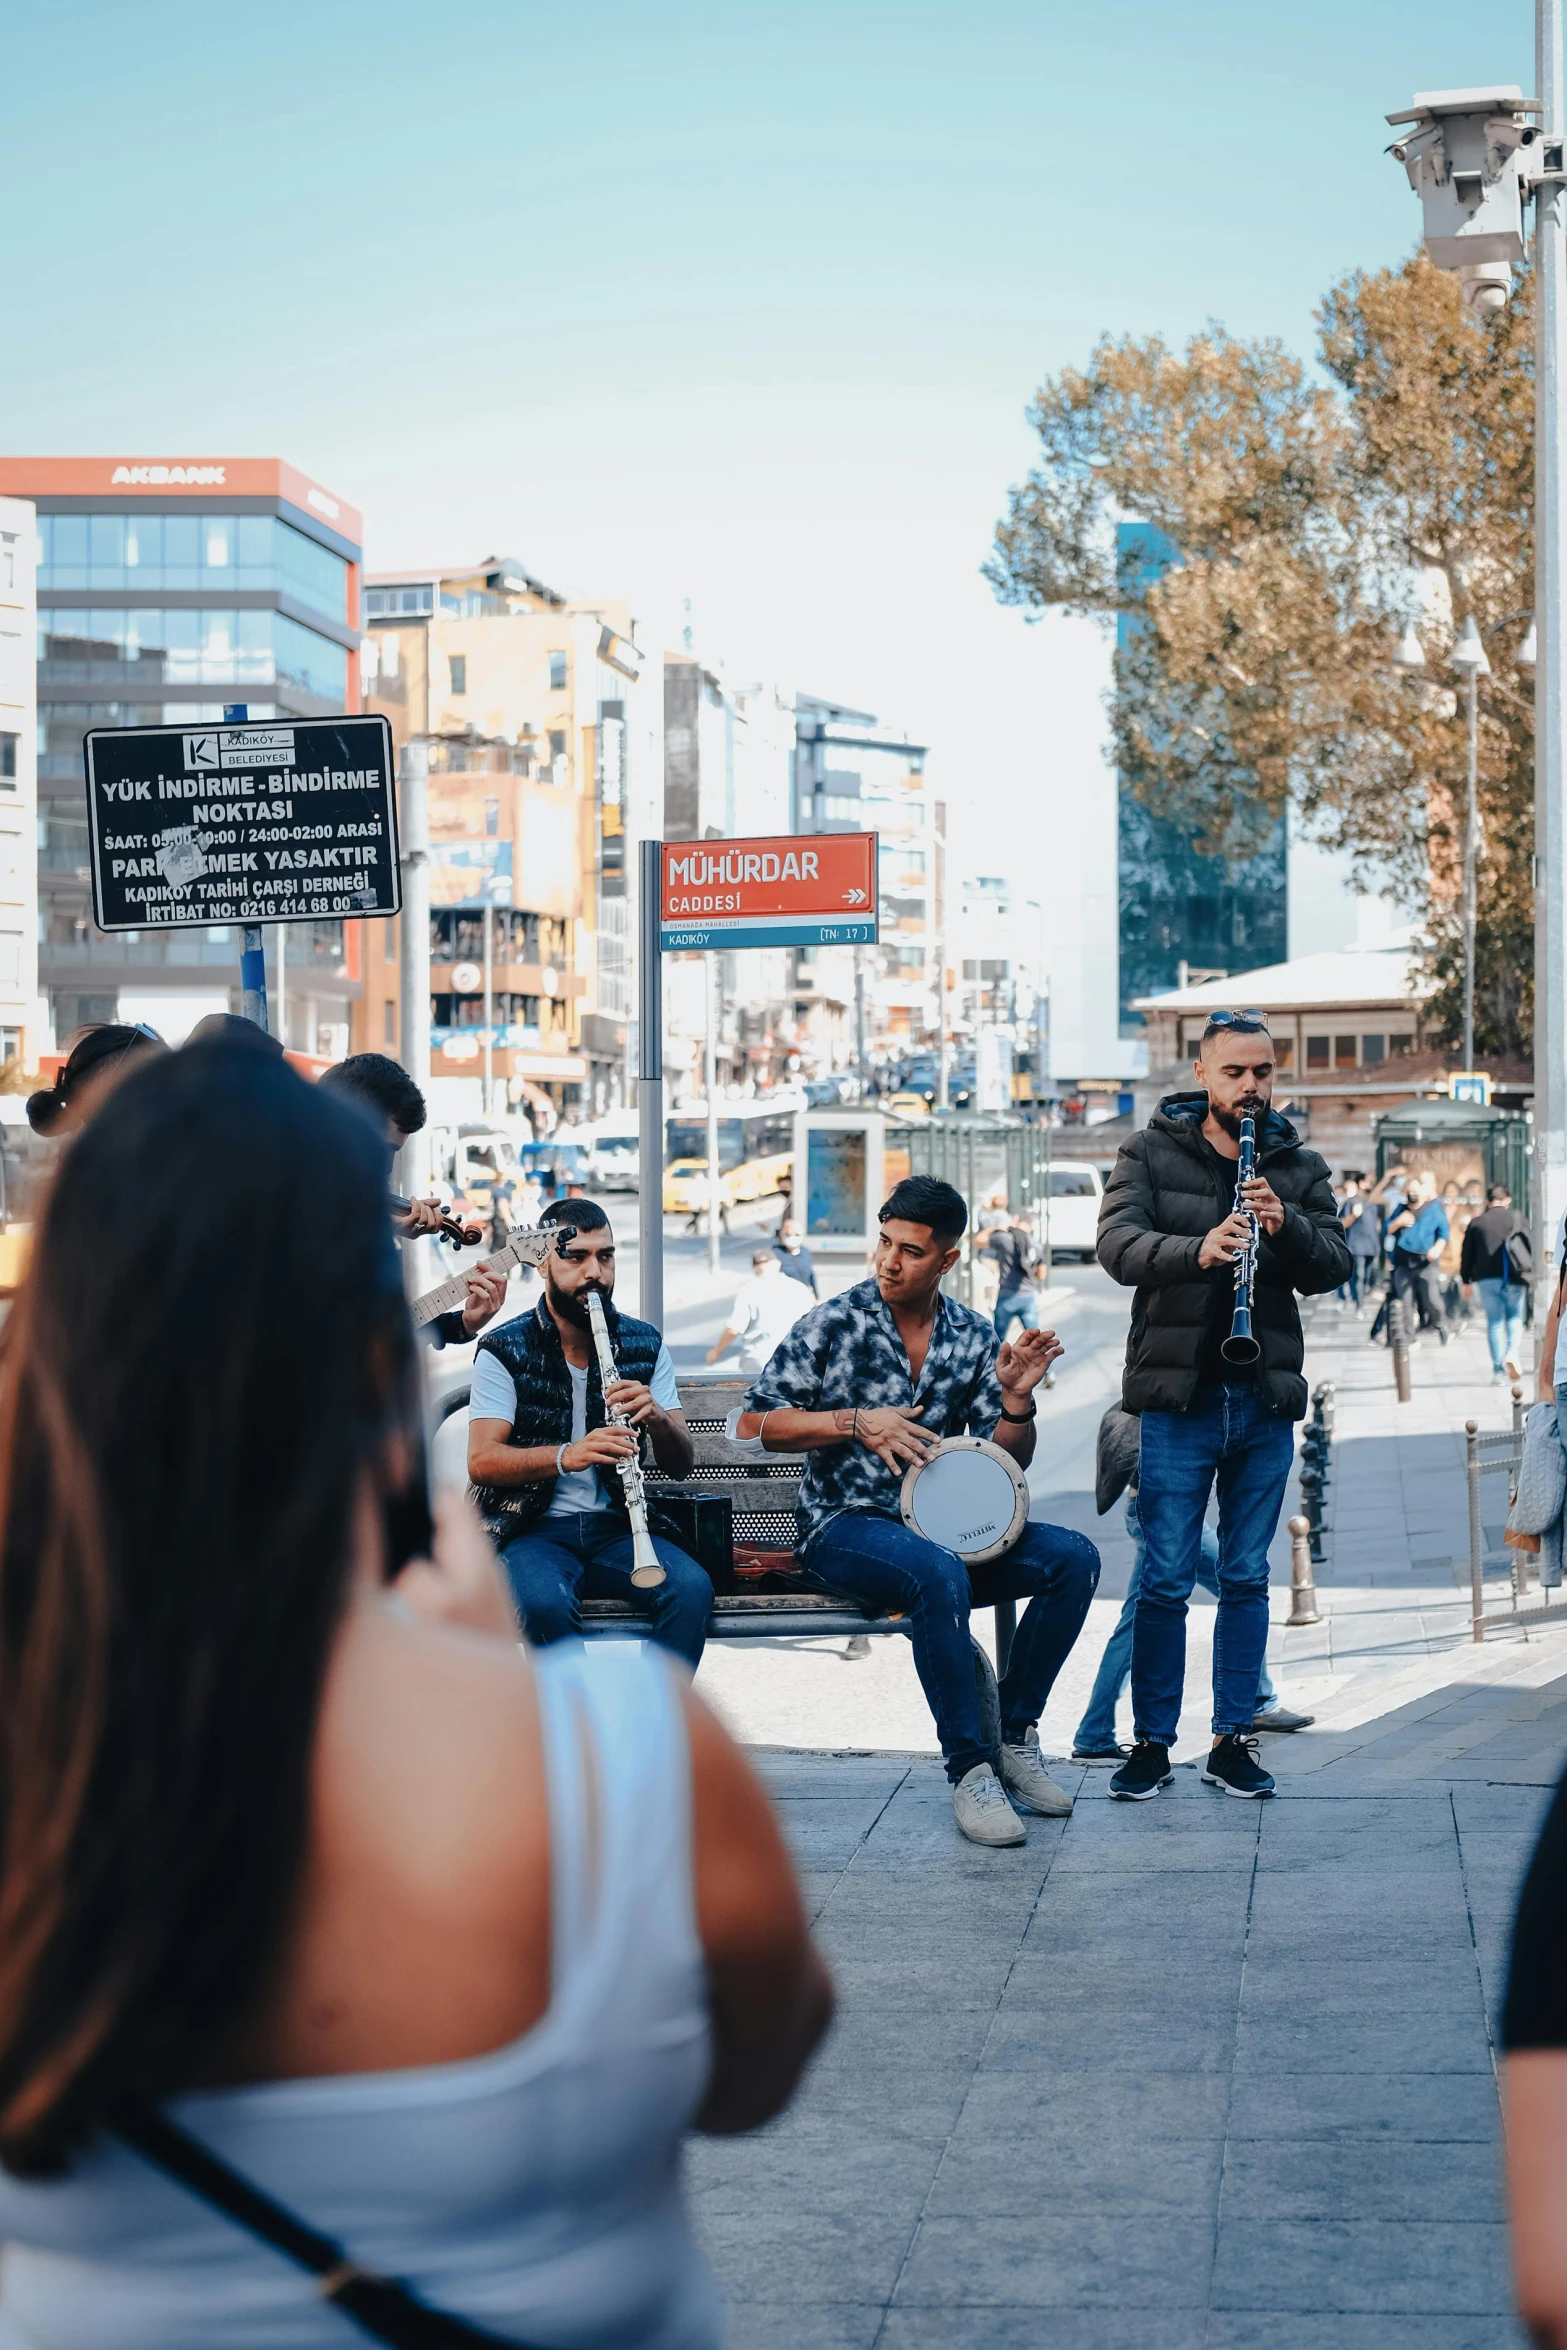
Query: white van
1072	1218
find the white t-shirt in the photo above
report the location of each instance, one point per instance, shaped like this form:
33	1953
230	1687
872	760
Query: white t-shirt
493	1396
766	1306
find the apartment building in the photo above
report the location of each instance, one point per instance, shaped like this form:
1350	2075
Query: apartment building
23	1019
538	740
166	589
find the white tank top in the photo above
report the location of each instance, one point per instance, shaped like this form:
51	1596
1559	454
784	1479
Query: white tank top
535	2191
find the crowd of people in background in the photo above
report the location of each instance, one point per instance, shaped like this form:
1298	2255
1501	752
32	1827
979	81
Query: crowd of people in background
1437	1250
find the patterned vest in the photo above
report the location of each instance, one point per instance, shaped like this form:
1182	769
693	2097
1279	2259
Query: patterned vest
530	1350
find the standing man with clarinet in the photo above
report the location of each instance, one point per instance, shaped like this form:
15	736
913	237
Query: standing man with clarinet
555	1425
1216	1250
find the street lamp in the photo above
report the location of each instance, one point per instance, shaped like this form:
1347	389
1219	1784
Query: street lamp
1473	157
1468	658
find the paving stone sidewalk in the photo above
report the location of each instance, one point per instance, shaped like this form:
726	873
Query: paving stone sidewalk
1195	2071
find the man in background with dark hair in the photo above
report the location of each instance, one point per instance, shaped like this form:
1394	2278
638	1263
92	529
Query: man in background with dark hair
869	1383
383	1090
1169	1227
543	1456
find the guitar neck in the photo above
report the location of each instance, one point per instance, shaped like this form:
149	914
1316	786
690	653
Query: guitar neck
523	1248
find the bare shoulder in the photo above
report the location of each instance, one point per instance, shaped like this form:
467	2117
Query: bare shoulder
428	1750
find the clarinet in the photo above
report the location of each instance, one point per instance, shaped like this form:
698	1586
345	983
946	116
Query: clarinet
645	1569
1241	1348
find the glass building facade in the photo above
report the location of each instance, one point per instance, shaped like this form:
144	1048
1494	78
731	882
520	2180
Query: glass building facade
1177	905
161	599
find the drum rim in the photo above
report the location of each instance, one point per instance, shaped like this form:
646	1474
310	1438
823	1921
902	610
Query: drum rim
995	1452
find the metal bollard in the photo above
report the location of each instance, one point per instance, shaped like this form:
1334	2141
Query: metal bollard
1303	1587
1476	1536
1398	1334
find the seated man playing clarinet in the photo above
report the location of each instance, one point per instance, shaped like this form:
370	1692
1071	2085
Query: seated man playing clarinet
543	1457
867	1385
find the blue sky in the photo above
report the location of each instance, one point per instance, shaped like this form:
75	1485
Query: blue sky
725	303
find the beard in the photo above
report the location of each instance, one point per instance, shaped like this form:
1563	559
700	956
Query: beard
1250	1105
572	1305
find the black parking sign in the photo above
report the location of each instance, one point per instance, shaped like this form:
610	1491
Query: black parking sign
284	822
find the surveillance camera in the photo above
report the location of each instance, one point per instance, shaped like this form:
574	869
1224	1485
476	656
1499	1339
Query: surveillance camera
1466	160
1484	287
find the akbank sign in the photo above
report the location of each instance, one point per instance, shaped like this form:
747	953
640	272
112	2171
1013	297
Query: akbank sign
138	477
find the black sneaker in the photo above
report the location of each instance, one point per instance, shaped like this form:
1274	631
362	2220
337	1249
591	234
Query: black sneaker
1116	1753
1233	1765
1145	1770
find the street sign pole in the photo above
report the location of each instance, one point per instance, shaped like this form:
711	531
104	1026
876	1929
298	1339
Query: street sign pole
710	1074
650	1085
253	953
414	944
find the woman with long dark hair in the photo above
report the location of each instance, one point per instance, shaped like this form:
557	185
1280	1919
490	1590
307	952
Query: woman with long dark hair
98	1057
341	1940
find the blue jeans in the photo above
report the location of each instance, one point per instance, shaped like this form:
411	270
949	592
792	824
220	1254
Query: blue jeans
1096	1730
1229	1438
1024	1303
878	1561
588	1556
1503	1302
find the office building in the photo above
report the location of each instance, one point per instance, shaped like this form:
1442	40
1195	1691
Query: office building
166	590
23	1020
541	737
1182	910
849	776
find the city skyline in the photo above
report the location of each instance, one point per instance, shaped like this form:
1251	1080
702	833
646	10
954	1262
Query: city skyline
798	408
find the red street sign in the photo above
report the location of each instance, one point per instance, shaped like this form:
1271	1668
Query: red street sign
788	890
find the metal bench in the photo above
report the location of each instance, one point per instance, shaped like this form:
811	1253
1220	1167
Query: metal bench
778	1604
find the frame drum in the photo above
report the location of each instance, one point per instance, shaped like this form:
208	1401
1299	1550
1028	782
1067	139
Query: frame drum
969	1496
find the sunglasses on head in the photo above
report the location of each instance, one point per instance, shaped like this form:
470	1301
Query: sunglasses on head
1251	1019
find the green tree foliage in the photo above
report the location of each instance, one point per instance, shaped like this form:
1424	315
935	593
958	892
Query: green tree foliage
1310	521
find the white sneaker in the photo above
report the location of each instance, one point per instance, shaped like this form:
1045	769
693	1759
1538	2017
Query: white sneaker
1028	1782
981	1809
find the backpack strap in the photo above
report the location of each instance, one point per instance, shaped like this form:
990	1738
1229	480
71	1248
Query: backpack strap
378	2305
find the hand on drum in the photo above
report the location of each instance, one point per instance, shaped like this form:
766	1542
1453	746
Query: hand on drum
889	1432
1024	1360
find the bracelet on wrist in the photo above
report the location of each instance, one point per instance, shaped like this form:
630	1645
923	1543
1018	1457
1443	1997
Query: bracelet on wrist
1021	1419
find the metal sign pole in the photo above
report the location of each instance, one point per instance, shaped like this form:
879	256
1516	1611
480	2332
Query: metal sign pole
414	945
710	1074
253	953
650	1088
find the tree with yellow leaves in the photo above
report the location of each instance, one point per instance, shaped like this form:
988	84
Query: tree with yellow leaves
1306	524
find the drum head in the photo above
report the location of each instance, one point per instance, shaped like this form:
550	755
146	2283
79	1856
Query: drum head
969	1496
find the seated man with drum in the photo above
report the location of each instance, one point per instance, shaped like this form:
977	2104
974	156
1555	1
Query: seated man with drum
878	1382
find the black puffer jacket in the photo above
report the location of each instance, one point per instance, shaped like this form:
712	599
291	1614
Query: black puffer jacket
1163	1197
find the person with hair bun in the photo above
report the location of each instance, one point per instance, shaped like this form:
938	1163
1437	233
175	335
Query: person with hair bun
95	1060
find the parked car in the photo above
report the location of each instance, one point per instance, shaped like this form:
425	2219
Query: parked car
1072	1217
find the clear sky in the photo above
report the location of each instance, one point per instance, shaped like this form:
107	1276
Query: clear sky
726	303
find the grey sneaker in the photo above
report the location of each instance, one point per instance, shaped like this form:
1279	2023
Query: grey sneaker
981	1809
1279	1717
1028	1782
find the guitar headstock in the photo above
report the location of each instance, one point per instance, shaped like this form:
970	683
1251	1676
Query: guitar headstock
534	1243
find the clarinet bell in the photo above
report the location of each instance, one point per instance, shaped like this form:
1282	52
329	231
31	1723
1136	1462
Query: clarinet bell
645	1569
1240	1348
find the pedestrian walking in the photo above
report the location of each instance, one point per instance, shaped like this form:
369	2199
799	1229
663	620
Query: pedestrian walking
1498	1261
1171	1228
766	1307
1362	1236
1015	1252
1419	1233
348	1941
793	1255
